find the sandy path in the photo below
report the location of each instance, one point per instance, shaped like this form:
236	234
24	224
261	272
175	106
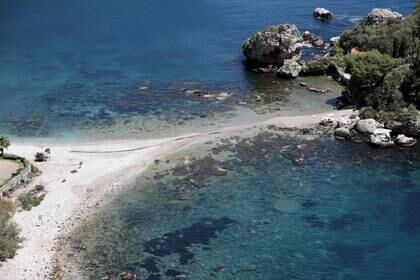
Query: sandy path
106	166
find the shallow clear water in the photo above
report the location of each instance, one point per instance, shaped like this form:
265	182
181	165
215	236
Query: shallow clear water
346	212
70	65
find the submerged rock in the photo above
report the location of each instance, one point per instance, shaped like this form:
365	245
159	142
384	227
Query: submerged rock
405	141
381	138
322	14
273	45
380	15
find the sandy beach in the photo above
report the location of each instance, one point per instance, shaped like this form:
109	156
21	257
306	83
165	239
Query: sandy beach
79	175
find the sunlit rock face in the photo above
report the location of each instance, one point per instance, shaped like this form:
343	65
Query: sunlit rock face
273	45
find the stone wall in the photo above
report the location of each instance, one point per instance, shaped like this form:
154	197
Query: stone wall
23	176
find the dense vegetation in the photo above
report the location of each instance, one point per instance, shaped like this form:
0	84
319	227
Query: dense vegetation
32	198
387	76
384	63
4	144
9	233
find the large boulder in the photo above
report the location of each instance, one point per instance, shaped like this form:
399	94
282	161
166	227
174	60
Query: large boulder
381	138
290	69
342	133
380	15
368	126
322	14
405	141
335	41
273	45
409	127
348	122
313	40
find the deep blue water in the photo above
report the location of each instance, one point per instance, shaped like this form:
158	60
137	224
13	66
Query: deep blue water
346	212
68	65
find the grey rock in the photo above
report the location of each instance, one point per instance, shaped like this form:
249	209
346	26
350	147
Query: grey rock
322	14
290	69
342	133
328	121
380	15
410	127
381	138
273	45
334	41
405	141
368	126
348	122
313	40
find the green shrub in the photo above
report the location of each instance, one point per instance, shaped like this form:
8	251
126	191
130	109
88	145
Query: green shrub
9	233
401	114
30	199
367	75
395	38
322	65
9	240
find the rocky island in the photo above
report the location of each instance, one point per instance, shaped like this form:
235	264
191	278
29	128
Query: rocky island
377	61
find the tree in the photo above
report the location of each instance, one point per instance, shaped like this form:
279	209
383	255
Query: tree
40	157
367	75
4	144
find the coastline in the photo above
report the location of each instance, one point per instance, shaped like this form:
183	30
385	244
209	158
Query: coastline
107	166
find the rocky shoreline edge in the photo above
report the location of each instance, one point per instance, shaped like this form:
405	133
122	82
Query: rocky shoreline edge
373	74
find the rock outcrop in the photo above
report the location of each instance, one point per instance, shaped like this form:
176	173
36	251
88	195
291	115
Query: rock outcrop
342	133
381	138
348	122
409	127
322	14
405	141
334	41
313	40
273	45
368	126
380	15
290	69
366	130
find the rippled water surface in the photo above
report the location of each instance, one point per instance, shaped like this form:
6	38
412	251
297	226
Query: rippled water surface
265	207
70	65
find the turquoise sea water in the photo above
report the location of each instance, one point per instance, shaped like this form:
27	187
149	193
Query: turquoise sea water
70	65
345	212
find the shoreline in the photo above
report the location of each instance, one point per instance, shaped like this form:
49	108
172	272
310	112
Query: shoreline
107	167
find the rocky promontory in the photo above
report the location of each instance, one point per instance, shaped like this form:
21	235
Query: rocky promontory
377	62
273	45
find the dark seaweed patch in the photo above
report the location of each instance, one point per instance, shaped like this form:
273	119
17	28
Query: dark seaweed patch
150	265
198	171
172	272
179	241
314	221
344	221
347	254
411	213
309	204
